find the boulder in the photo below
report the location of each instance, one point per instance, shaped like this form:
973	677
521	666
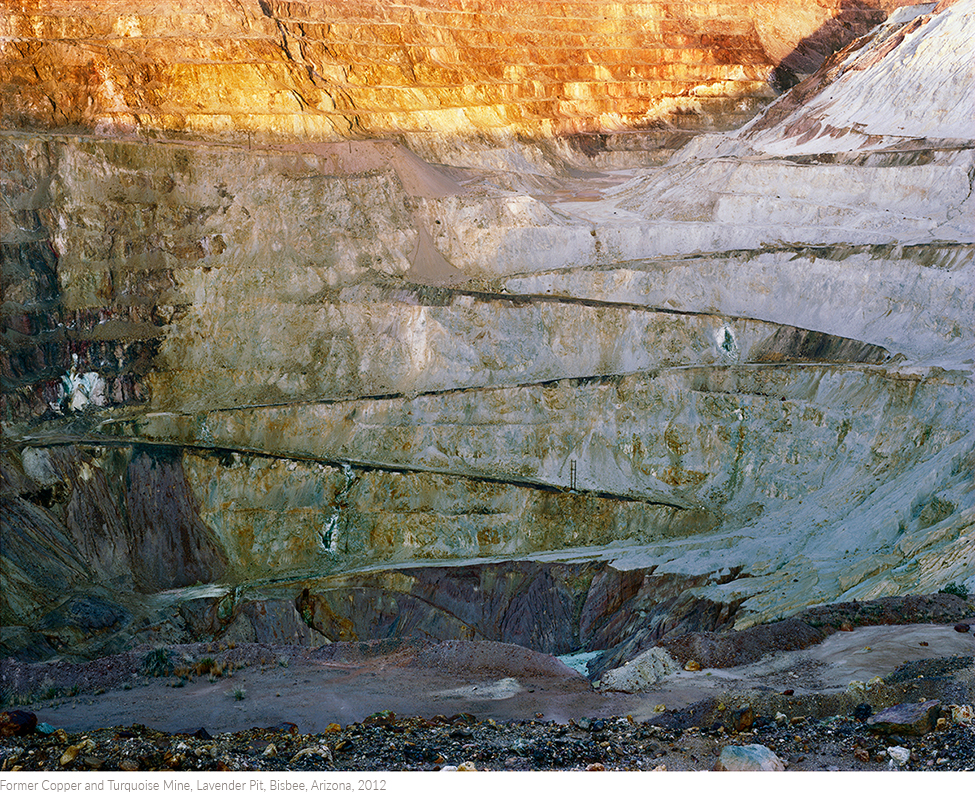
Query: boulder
910	719
742	719
17	723
748	758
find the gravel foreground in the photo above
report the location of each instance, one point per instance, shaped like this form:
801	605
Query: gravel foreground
383	742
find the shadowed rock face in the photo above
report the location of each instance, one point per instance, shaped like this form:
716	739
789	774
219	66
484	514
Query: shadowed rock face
322	389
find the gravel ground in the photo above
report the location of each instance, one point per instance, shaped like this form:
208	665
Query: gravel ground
383	742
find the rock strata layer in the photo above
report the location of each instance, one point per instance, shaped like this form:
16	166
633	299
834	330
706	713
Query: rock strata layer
352	68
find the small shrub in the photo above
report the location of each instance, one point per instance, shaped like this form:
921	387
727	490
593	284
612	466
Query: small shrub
10	698
955	589
157	663
204	666
238	693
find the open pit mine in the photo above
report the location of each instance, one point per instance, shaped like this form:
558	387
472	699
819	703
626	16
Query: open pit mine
578	326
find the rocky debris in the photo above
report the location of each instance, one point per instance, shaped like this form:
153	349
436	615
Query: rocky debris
811	626
62	680
641	673
910	719
384	741
933	677
748	758
712	649
17	723
807	730
896	610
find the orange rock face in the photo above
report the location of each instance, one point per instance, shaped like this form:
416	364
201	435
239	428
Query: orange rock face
313	69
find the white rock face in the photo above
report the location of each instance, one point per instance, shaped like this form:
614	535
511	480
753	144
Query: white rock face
912	80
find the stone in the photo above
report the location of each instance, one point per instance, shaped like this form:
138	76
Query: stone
899	756
862	712
69	755
24	644
963	627
17	723
289	728
692	666
963	715
909	719
742	719
646	670
748	758
318	751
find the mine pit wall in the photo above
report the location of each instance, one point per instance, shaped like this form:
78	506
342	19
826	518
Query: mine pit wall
218	395
430	69
199	278
196	514
353	426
